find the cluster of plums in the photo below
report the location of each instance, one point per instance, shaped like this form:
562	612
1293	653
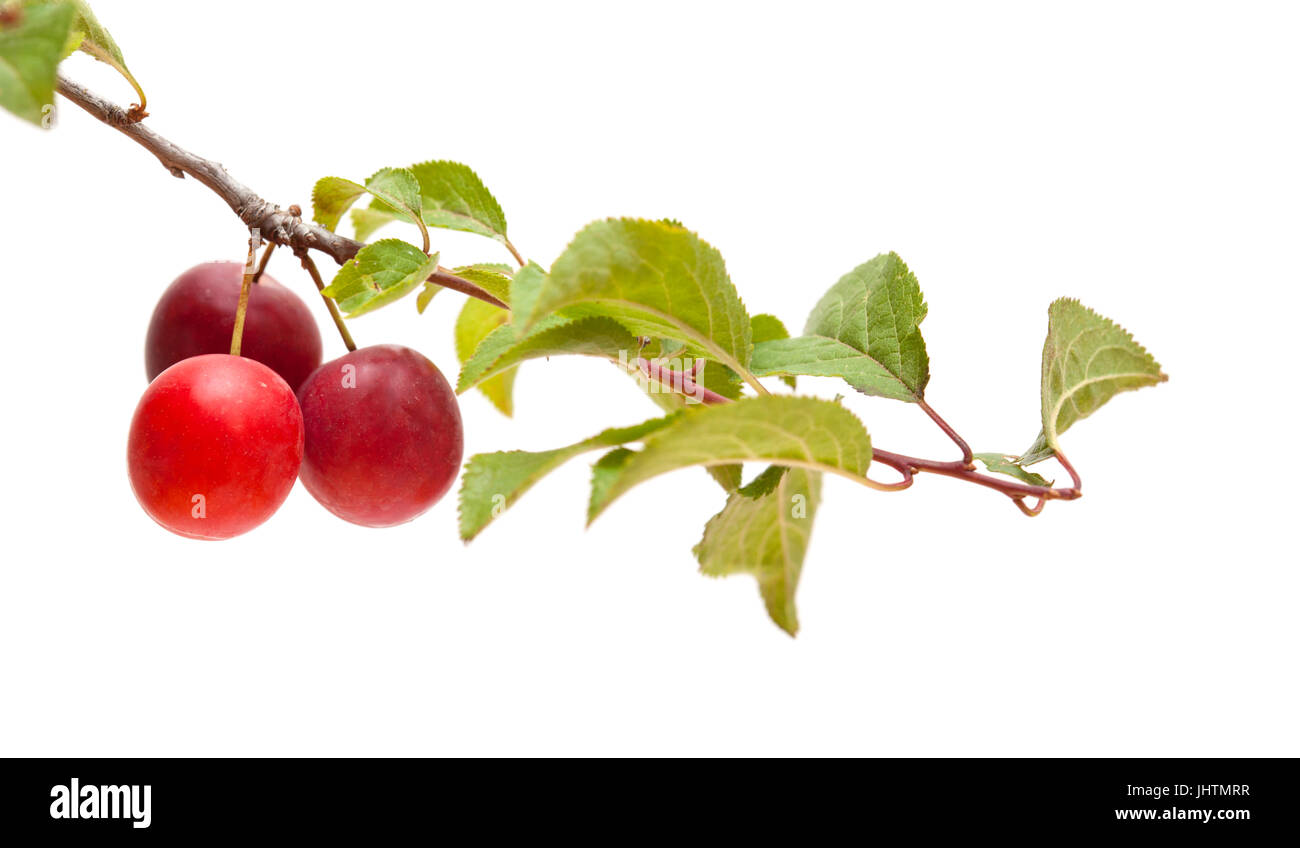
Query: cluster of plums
218	440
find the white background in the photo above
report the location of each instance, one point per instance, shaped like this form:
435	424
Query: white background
1141	157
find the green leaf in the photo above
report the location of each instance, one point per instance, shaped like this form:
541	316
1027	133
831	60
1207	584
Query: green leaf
93	32
501	268
1087	360
96	41
654	278
426	295
396	187
491	277
606	470
764	483
476	321
453	198
366	221
90	36
819	356
726	476
456	199
507	346
797	432
1000	463
29	60
493	482
875	310
525	287
767	328
766	534
379	274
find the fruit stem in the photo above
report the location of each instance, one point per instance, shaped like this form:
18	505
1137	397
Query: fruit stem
311	268
261	266
237	337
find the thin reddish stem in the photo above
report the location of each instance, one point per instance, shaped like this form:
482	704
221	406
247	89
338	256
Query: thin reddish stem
963	469
1031	511
1074	475
901	467
959	471
967	457
681	382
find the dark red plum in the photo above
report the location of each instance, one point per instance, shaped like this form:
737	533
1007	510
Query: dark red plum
383	435
196	315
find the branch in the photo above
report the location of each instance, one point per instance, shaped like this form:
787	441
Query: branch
287	228
963	469
276	225
960	471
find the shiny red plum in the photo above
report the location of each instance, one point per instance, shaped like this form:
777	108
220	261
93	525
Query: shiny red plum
215	446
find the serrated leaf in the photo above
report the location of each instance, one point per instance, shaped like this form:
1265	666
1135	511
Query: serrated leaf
506	346
654	278
606	470
96	40
1087	360
767	328
492	482
29	59
797	432
726	476
820	356
1000	463
875	311
492	278
453	197
366	221
764	483
395	187
456	199
589	335
379	274
501	268
766	534
426	295
476	321
665	348
91	37
525	287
